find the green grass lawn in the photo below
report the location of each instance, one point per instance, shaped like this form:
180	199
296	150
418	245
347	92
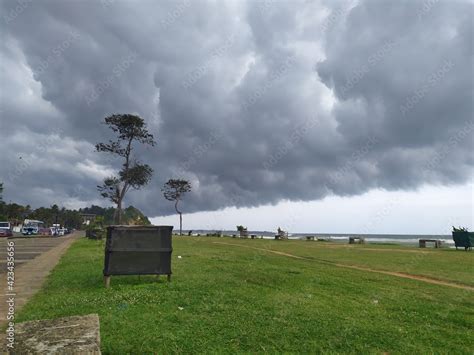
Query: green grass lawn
234	299
443	264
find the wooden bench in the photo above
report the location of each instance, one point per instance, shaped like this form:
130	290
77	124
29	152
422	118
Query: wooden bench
422	242
356	240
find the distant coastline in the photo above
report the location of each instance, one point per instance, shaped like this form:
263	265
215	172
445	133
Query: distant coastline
408	239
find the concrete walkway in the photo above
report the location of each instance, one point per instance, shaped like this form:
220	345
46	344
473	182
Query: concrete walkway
37	257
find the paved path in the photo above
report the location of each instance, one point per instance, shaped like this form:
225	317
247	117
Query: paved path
34	259
26	249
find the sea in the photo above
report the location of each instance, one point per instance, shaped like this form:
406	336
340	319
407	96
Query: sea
407	239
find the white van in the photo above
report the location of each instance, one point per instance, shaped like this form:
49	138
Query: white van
5	225
31	227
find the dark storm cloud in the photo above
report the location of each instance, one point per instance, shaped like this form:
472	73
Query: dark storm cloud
408	82
254	102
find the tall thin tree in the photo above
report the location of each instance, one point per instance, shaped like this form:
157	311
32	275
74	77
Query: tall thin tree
174	190
133	174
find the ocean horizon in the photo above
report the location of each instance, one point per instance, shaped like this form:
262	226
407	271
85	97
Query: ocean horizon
338	237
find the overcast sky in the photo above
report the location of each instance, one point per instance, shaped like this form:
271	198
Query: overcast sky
281	108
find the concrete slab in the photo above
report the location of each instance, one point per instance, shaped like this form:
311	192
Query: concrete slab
68	335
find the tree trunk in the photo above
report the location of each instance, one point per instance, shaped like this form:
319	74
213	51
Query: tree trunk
180	217
118	212
115	216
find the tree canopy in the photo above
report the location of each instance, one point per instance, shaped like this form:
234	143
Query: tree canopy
133	174
173	190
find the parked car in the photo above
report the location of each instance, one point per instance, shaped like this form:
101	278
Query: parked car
5	229
6	233
44	231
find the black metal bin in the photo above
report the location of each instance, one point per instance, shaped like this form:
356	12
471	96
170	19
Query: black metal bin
137	250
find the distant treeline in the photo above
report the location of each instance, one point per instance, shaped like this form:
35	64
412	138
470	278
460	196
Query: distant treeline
16	213
130	215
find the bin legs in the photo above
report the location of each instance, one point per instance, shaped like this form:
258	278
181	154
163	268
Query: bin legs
169	277
107	281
